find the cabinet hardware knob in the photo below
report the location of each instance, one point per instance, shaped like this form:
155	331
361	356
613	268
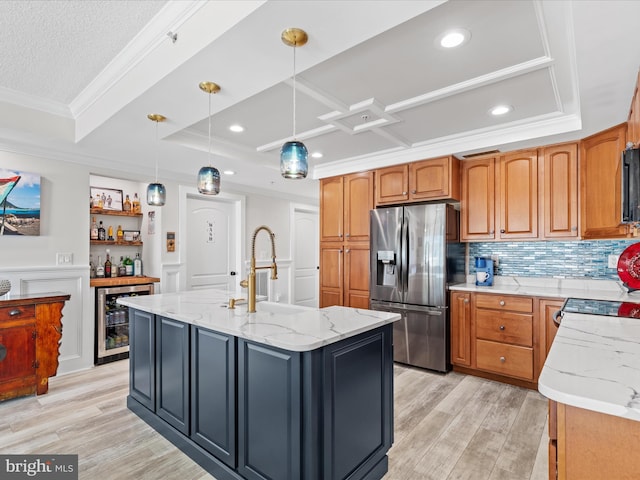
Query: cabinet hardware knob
347	250
502	303
347	235
502	230
466	300
340	235
413	191
490	232
502	359
15	312
404	193
501	327
573	229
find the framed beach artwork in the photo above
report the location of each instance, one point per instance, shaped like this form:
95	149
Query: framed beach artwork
106	198
19	203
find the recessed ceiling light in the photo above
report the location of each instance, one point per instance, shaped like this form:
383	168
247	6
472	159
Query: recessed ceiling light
316	154
453	38
229	172
500	110
236	128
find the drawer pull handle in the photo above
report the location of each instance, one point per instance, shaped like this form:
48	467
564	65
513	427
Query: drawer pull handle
502	303
15	312
501	327
502	359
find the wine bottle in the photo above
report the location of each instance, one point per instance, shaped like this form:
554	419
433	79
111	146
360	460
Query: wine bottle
94	229
137	265
102	234
107	266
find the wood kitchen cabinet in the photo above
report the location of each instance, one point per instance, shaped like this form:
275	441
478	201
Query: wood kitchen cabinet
460	328
633	123
559	196
432	179
548	328
345	203
477	206
600	184
588	445
30	334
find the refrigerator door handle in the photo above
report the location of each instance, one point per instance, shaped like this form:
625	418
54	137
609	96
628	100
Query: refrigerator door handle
404	254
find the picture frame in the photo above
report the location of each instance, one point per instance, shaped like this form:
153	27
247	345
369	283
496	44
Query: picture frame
111	198
131	235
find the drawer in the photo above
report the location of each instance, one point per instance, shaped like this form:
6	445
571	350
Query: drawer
505	359
17	313
504	302
507	327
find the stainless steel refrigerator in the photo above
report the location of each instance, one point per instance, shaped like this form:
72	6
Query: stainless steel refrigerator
415	254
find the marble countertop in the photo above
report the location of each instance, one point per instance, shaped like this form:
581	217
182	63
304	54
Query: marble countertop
594	363
553	288
285	326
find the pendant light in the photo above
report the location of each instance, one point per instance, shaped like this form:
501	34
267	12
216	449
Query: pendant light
156	193
209	177
293	154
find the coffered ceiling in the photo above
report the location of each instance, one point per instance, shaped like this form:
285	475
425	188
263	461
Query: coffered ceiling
374	87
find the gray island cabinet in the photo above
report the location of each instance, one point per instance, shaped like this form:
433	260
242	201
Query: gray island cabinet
283	393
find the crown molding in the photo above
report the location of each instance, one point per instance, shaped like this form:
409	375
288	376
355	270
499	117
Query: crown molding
34	102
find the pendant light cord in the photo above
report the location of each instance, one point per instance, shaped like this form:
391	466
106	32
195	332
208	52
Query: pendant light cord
294	92
209	129
157	152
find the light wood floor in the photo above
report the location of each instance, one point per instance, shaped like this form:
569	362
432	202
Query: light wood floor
446	427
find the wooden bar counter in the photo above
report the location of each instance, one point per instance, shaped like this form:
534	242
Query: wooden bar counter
30	334
122	281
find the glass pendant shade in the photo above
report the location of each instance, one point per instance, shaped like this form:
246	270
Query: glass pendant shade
156	194
293	160
209	181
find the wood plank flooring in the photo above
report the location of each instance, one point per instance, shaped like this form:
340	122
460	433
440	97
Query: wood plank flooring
446	427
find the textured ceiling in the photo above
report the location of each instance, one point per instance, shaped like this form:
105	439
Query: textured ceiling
54	49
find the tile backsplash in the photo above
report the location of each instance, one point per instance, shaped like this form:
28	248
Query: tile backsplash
586	258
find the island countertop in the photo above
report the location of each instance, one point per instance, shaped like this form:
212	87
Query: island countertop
290	327
594	363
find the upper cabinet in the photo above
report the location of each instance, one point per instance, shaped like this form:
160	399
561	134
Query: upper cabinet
633	124
345	203
601	184
559	199
477	207
433	179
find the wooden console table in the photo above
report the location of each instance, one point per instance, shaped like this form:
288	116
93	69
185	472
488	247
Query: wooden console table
30	333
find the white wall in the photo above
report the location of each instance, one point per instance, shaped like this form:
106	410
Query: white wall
30	262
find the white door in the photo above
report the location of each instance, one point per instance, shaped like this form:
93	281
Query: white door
211	243
305	257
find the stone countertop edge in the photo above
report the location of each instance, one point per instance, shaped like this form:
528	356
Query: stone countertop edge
549	287
290	327
594	364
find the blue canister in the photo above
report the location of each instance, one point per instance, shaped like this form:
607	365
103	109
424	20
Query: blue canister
484	272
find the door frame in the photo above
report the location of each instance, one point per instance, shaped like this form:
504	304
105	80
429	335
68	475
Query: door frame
302	207
239	204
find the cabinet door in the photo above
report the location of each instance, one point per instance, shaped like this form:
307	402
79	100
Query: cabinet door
519	195
358	200
392	184
331	275
142	353
331	209
213	393
172	373
269	412
433	179
633	124
548	328
600	184
560	191
461	329
18	354
477	207
356	283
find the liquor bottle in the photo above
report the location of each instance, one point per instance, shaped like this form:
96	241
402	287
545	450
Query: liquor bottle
120	234
102	234
136	204
100	268
121	270
107	266
128	265
94	229
92	267
110	233
127	204
137	265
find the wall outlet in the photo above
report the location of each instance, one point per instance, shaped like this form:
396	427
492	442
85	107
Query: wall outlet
64	258
613	261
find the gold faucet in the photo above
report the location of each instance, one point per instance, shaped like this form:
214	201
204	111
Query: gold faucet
251	283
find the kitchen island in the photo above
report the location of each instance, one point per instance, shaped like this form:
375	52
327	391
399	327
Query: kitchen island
592	378
286	392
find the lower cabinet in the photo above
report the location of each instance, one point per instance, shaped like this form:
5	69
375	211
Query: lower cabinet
245	410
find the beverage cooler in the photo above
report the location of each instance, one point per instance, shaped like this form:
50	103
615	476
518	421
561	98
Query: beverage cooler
112	322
